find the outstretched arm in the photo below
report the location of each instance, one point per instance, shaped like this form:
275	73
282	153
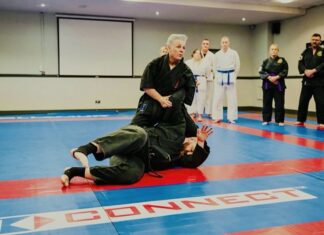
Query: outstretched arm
201	151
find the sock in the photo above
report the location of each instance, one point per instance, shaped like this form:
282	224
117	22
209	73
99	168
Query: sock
75	171
87	149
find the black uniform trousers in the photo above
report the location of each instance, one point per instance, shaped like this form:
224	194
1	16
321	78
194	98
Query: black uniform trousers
128	147
127	150
279	98
306	94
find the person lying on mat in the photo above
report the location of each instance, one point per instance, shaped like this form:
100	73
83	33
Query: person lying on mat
134	150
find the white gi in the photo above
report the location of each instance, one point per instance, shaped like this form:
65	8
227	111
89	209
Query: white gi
209	59
201	70
226	69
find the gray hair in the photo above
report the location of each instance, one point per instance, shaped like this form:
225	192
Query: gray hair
173	37
275	45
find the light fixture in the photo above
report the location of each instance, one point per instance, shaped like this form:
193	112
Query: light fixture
243	19
157	13
42	5
285	1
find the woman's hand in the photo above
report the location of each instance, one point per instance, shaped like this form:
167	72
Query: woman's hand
165	102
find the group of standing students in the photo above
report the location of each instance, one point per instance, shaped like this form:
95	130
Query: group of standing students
215	77
216	74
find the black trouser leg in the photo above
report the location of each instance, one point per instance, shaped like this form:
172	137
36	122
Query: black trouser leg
319	102
305	96
267	104
122	170
127	140
279	97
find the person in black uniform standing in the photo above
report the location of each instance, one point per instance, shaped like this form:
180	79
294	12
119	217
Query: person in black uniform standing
273	72
311	65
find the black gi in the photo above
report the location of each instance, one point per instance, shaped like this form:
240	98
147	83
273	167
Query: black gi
133	149
128	147
273	67
312	86
153	129
177	83
158	75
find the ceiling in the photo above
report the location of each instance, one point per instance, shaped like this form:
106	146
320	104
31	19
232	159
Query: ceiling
208	11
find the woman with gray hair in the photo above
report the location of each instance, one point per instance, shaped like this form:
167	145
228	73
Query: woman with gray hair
163	77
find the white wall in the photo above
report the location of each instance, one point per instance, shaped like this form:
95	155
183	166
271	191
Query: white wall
28	44
149	36
24	93
20	43
261	40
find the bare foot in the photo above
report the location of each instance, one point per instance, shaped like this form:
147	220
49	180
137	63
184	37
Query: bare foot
65	180
81	157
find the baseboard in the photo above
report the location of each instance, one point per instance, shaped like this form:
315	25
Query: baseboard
21	112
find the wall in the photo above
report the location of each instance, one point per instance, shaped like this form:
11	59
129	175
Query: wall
149	36
28	45
261	40
37	93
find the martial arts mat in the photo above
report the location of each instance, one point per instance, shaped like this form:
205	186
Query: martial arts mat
257	180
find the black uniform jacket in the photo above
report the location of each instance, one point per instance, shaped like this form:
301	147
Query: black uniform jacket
178	83
189	161
310	61
158	75
166	127
273	67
